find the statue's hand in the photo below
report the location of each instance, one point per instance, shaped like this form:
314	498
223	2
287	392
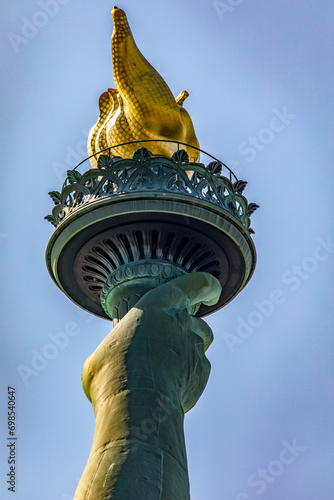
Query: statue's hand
170	305
160	331
185	292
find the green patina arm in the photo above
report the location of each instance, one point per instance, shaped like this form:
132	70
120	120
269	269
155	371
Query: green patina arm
141	380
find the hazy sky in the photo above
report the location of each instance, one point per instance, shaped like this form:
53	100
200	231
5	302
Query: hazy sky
260	78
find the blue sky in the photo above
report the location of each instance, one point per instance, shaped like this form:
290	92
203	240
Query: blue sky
260	79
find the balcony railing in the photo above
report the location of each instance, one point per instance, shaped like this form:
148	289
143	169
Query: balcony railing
147	173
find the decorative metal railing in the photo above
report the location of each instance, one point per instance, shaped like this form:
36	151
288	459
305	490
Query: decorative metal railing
146	173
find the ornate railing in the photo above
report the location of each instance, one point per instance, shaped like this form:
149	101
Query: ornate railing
144	173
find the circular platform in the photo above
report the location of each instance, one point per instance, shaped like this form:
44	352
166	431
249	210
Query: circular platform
152	220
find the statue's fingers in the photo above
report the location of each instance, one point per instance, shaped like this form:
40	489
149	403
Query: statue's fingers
196	325
202	329
199	287
184	292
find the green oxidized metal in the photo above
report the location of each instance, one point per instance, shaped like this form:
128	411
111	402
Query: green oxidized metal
131	213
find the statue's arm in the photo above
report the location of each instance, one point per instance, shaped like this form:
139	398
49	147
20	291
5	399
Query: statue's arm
184	292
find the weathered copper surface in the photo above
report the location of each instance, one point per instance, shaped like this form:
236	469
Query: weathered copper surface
141	380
